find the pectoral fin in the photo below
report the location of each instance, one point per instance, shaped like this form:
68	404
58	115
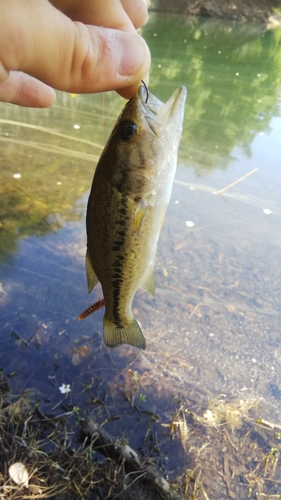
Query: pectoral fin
90	273
140	215
149	283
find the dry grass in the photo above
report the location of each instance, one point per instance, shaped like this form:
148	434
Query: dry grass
42	444
61	463
239	460
223	440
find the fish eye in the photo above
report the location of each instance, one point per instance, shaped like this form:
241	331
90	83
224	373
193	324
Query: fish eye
128	131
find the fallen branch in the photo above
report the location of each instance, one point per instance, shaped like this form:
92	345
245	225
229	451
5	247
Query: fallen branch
121	452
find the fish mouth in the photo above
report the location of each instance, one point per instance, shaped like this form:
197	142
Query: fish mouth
166	113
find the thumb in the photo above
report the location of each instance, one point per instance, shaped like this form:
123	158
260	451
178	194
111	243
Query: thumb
42	42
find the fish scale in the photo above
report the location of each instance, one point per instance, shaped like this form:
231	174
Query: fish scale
130	192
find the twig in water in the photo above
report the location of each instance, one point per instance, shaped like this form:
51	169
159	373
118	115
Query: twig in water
122	452
194	310
236	182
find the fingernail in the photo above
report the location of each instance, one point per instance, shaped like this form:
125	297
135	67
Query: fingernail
132	53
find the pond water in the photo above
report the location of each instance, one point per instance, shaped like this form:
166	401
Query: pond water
213	328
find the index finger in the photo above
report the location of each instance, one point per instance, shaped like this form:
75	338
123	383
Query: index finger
125	15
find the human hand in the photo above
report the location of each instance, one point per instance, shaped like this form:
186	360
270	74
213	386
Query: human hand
79	46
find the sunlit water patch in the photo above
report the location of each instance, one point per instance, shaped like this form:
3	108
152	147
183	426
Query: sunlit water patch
212	364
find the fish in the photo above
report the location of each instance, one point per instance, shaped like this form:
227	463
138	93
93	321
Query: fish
129	196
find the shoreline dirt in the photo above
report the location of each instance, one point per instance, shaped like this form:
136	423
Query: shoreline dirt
243	10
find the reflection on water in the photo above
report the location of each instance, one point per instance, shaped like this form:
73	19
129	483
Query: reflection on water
233	77
213	328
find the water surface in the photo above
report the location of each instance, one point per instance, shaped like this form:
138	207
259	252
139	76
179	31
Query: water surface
213	328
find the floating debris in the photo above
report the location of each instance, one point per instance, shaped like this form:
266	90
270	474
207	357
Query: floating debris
17	176
267	211
221	412
80	353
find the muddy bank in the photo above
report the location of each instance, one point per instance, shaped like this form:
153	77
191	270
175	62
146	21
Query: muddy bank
249	10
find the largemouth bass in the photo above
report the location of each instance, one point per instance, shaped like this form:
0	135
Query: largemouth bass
130	192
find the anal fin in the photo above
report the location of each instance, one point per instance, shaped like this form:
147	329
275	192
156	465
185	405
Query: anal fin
149	283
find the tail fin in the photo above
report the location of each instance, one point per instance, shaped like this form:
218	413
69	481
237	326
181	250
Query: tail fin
130	333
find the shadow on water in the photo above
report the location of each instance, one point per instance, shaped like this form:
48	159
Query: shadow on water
212	365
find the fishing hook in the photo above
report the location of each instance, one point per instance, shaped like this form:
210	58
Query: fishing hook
146	91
